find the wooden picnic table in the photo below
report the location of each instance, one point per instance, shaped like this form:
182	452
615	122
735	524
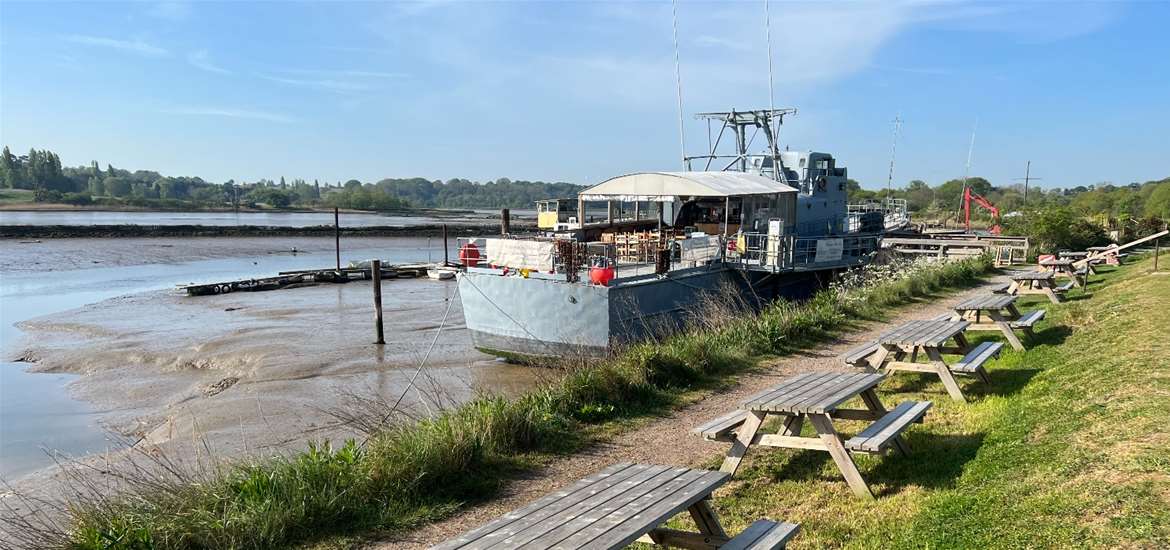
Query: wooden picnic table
996	312
1071	255
818	396
1063	268
931	336
1035	282
619	505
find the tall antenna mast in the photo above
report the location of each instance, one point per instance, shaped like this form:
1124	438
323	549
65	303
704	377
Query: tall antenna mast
771	94
894	151
1026	179
682	139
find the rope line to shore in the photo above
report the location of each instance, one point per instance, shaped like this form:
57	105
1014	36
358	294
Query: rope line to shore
438	332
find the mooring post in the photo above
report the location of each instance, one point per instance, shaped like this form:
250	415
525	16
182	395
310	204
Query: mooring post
1157	252
337	236
376	269
505	223
446	254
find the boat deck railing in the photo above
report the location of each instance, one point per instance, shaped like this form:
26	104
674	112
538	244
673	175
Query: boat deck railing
749	251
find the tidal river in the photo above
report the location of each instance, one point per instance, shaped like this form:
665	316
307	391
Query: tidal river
100	349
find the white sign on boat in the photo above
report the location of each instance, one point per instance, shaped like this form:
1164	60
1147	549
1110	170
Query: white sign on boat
829	250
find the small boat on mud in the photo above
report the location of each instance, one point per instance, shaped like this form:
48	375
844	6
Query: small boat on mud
441	273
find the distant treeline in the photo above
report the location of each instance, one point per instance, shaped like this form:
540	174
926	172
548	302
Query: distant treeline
1150	199
41	173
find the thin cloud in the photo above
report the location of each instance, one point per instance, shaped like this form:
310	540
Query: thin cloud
171	11
133	46
319	84
926	71
202	60
232	113
714	41
349	73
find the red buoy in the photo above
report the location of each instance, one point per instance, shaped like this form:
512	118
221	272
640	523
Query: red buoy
469	255
601	275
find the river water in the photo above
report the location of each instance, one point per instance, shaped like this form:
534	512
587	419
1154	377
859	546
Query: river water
220	219
120	293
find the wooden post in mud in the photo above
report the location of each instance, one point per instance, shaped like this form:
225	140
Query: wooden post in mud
376	270
337	236
446	254
505	222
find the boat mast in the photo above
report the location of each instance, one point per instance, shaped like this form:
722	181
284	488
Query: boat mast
893	152
682	139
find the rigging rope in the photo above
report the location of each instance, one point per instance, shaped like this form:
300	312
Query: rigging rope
430	348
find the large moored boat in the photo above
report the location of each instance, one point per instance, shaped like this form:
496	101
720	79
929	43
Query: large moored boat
636	256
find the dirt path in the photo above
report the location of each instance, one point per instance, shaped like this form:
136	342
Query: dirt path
668	439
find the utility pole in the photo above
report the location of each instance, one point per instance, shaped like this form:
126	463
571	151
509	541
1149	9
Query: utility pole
893	151
1026	179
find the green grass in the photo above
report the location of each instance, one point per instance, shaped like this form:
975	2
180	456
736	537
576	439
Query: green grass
408	475
1069	446
16	196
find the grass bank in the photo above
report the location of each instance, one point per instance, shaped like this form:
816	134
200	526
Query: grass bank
1069	446
405	475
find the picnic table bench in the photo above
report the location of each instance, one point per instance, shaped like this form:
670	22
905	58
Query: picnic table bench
817	396
997	312
1037	282
1111	257
1077	256
1066	268
619	505
930	336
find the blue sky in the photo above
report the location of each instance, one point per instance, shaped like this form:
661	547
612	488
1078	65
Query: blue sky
579	91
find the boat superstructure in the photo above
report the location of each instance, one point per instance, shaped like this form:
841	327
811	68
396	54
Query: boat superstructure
643	251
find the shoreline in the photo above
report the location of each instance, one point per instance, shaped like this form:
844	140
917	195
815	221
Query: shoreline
459	228
63	207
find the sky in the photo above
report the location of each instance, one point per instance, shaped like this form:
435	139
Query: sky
584	91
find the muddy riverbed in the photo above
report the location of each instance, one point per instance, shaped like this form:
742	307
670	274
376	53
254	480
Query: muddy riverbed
97	341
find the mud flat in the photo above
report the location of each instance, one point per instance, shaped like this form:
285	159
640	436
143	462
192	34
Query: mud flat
455	228
242	373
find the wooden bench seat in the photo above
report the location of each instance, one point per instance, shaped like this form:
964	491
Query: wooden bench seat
881	434
764	534
1065	287
857	355
722	428
1029	319
973	361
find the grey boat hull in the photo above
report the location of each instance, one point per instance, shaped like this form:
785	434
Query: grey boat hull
541	317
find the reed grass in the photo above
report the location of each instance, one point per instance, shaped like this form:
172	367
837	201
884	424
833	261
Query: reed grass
406	475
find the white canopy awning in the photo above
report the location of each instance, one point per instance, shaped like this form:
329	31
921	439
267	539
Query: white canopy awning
664	186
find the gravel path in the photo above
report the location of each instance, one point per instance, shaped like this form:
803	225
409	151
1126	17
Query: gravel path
667	439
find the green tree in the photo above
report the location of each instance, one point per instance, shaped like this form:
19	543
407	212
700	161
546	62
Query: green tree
1158	204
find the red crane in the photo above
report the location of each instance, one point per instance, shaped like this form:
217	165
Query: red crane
968	197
